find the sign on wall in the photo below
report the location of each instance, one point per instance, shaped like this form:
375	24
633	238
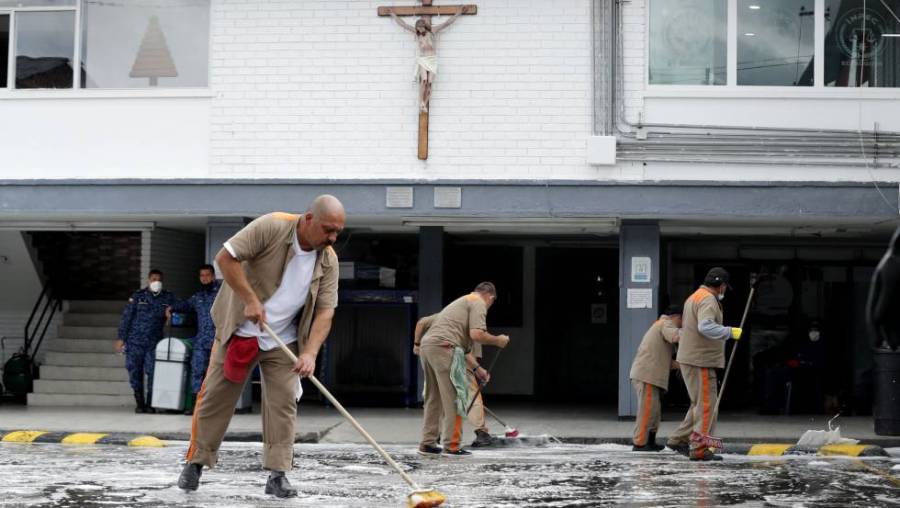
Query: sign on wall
640	269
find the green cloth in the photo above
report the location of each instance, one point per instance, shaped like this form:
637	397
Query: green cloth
460	380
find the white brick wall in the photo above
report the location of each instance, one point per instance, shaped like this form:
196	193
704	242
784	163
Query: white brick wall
634	50
324	89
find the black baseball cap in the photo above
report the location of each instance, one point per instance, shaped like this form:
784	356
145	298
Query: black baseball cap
674	310
716	277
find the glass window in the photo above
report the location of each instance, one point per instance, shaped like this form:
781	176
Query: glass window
145	43
688	42
37	3
862	43
4	49
775	42
45	45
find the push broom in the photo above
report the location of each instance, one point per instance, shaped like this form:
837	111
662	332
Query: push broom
419	497
705	440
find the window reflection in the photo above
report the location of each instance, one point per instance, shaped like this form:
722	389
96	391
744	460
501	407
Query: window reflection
862	43
145	43
4	50
688	42
775	42
45	45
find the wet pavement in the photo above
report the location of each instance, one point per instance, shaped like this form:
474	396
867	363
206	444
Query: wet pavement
50	475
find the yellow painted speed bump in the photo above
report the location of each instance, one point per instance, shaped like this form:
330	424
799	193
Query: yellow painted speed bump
769	449
82	438
843	449
23	436
147	441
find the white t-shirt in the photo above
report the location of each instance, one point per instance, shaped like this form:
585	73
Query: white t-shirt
284	306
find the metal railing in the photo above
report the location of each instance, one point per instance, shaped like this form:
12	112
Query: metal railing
36	329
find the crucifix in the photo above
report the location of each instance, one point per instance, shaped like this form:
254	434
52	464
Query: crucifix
426	59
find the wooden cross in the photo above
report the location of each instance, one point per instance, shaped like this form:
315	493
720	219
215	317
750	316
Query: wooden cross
427	52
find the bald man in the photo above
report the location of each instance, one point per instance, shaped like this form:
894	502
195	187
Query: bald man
280	270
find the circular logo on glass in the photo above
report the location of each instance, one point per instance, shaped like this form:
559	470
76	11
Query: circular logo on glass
859	31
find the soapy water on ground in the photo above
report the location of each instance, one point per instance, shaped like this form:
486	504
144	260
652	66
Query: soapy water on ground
52	475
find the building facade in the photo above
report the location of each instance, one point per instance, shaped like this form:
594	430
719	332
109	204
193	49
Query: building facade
594	158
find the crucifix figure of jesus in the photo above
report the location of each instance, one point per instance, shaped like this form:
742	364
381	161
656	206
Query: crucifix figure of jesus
426	57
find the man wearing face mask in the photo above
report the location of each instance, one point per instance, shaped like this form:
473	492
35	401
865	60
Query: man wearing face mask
280	270
139	331
201	302
701	350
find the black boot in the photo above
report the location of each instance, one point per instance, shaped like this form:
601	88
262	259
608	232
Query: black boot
680	448
482	439
649	446
190	476
140	406
278	485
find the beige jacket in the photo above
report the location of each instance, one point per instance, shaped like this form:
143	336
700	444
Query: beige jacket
264	248
453	323
653	360
695	349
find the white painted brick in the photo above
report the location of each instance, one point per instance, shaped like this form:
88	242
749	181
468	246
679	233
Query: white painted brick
328	84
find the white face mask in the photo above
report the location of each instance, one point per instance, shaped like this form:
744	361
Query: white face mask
814	335
720	296
156	286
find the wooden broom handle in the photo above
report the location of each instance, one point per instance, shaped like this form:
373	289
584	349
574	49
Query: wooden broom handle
343	411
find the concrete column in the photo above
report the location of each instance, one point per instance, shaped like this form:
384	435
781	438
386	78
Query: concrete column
638	242
431	278
218	231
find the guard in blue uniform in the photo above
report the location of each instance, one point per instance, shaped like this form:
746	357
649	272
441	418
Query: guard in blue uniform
141	328
200	303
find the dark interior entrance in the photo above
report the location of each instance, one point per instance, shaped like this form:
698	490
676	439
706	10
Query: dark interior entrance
577	327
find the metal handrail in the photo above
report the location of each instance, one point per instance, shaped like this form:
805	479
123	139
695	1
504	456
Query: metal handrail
49	303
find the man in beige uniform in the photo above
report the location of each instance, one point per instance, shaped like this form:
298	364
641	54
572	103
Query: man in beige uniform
277	266
443	351
650	377
475	373
701	350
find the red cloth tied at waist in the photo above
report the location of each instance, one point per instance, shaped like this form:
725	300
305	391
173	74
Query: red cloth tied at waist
239	356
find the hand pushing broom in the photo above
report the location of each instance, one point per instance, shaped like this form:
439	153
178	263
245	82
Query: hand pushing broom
419	497
705	440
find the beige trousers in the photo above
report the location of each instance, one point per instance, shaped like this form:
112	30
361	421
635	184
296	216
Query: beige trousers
476	414
649	411
440	398
218	396
703	390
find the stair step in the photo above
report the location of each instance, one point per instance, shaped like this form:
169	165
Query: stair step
68	387
81	400
81	345
90	319
88	332
59	373
55	358
97	306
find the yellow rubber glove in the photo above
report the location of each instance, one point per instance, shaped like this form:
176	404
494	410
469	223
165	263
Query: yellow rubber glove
736	333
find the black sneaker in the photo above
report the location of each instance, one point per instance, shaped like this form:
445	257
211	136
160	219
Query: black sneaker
457	453
649	447
190	476
429	450
278	485
680	448
705	456
482	439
